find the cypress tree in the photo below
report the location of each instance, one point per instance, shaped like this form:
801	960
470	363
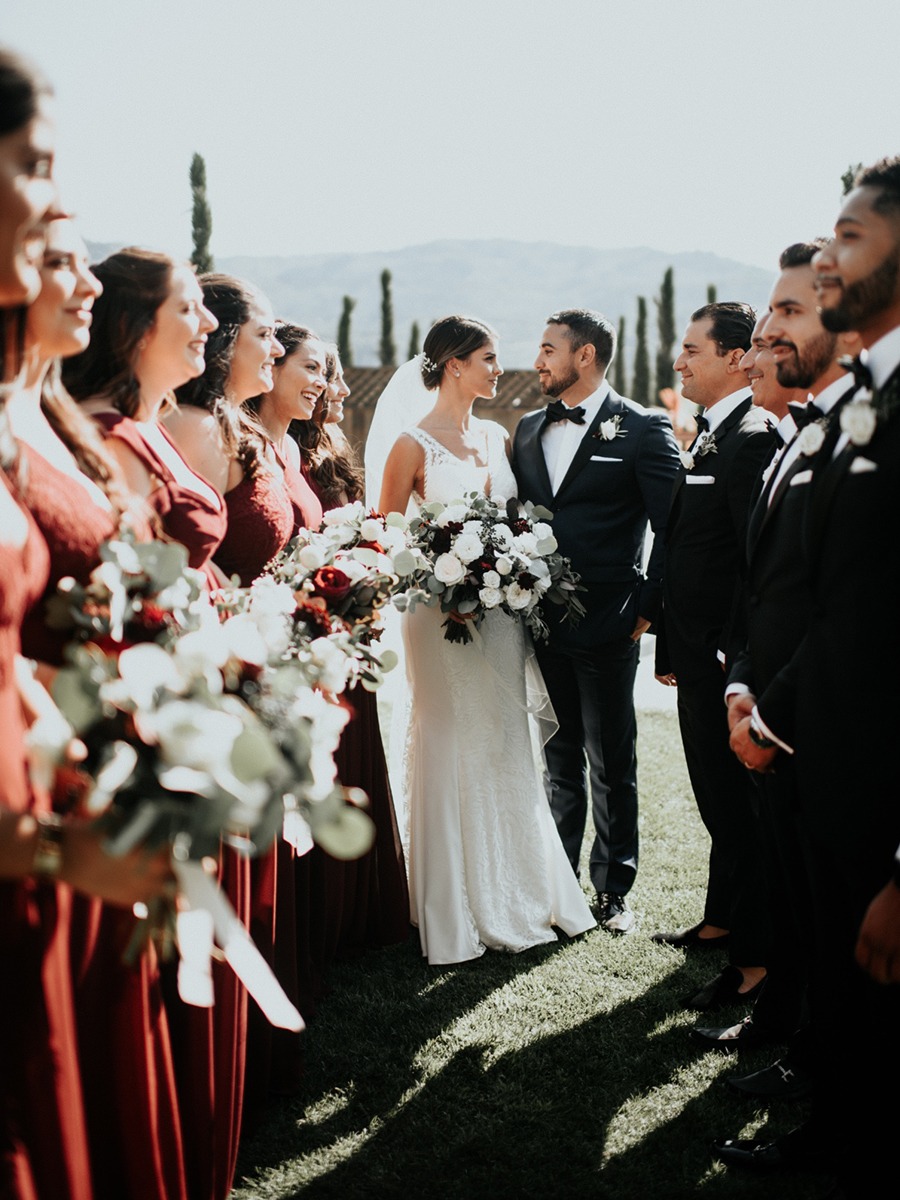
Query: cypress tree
618	379
848	176
387	350
201	216
640	386
711	293
665	326
345	350
414	341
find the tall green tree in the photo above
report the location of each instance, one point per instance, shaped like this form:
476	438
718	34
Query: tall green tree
618	377
387	349
848	176
415	341
345	349
665	328
711	293
640	384
201	216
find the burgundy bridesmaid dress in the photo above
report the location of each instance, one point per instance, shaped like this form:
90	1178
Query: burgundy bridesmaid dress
128	1076
43	1137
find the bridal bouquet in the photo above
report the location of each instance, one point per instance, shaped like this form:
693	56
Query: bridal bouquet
474	556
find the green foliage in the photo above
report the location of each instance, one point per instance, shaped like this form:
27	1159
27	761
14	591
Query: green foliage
345	350
387	349
711	293
640	384
415	341
618	376
201	217
665	327
564	1071
848	176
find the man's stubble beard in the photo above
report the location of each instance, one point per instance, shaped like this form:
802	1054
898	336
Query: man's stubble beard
808	364
556	387
866	298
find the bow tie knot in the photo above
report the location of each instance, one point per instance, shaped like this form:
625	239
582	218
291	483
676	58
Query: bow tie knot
858	369
805	414
702	423
557	411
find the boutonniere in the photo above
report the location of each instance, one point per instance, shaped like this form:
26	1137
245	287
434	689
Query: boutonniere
705	444
811	438
858	421
610	429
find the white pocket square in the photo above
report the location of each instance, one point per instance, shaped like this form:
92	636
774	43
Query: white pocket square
801	477
604	458
699	479
860	465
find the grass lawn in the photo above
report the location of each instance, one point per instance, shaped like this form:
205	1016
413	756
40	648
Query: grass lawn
563	1071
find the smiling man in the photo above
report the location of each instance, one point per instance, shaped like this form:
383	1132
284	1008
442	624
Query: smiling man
604	466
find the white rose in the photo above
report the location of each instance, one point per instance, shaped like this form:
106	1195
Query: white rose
810	440
448	569
453	514
346	514
468	547
526	543
858	421
687	459
502	535
473	527
491	579
608	430
503	565
519	597
490	597
311	557
372	530
270	598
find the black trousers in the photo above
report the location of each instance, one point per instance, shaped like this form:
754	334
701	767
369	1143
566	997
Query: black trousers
592	692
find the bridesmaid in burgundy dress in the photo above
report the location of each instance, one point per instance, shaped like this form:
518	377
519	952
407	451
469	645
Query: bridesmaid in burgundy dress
77	499
268	501
364	903
149	336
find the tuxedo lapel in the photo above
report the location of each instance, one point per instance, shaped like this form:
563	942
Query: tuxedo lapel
590	443
532	463
709	459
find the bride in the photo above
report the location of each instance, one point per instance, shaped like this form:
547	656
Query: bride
486	866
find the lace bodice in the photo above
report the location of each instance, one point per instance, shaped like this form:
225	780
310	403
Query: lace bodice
449	478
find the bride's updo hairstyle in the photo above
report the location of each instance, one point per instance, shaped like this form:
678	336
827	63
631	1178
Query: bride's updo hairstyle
136	283
451	337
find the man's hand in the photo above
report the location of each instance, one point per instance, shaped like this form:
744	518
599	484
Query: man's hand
878	944
667	680
740	705
641	627
752	757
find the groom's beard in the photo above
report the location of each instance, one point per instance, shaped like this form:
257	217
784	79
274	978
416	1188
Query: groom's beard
557	384
864	299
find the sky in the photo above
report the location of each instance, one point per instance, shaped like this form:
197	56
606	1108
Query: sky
364	125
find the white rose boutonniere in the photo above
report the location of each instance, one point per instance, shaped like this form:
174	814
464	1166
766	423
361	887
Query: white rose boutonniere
811	438
705	444
610	429
858	421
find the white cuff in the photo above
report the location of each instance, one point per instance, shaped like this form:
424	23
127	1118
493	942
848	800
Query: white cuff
736	689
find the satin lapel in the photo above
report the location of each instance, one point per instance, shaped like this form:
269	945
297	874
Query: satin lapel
764	508
733	418
531	453
589	444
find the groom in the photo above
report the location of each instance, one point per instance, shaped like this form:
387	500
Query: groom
605	467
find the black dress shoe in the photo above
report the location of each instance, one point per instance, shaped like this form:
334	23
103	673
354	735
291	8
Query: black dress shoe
795	1151
744	1036
689	939
613	914
722	990
783	1080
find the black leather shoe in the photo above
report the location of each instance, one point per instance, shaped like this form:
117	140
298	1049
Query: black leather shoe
722	990
613	913
744	1036
783	1080
689	939
792	1152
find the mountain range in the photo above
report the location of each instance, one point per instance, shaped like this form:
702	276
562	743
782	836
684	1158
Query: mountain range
511	285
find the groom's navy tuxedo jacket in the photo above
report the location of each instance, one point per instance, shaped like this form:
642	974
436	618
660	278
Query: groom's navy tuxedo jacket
601	510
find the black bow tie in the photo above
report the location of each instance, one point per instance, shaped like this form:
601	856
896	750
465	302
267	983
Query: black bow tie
557	411
804	414
858	369
702	423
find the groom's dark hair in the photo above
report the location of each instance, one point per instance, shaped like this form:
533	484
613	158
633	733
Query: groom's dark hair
732	324
586	327
885	176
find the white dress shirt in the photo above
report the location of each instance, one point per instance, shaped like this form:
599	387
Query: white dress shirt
723	408
561	439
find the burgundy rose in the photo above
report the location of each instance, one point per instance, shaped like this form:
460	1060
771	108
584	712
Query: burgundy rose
441	540
331	583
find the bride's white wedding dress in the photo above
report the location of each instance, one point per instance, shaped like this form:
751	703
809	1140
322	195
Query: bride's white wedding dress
486	866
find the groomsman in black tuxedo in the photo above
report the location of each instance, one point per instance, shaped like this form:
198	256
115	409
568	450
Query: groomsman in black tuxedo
797	363
604	466
706	537
835	709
